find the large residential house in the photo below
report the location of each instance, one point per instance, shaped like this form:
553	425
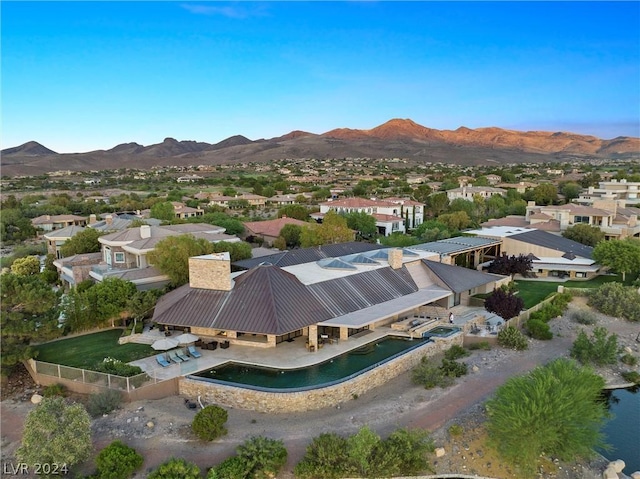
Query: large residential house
552	256
612	190
124	253
183	211
56	238
57	222
327	299
228	201
391	214
469	192
269	230
111	222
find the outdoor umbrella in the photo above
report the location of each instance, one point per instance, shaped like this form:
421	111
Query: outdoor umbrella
165	344
187	338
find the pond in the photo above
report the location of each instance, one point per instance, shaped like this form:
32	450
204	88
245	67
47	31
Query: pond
337	369
623	430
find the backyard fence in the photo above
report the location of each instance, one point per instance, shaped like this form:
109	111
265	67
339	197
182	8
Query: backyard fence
94	378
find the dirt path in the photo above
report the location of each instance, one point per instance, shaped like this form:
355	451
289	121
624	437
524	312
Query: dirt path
398	403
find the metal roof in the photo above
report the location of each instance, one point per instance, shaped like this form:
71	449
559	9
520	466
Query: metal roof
460	279
455	245
557	243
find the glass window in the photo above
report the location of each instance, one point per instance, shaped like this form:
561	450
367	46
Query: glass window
119	257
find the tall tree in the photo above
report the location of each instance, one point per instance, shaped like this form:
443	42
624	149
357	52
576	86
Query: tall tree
545	194
333	229
83	242
585	234
298	212
163	211
362	223
291	235
504	303
622	256
511	265
171	256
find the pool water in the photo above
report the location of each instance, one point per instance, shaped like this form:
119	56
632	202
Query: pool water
441	331
337	369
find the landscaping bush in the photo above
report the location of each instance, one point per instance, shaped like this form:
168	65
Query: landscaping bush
117	461
429	375
117	368
263	457
584	317
631	376
52	390
456	430
456	352
614	299
175	469
208	424
538	329
512	338
453	369
233	467
600	349
104	402
326	457
629	359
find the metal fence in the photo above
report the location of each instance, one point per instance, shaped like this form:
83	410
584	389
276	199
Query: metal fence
95	378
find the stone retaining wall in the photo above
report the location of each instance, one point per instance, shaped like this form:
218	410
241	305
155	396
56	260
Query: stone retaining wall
330	396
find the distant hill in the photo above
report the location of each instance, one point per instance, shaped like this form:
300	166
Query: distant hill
397	138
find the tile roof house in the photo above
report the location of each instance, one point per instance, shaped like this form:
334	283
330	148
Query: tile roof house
270	230
56	222
335	297
56	238
468	192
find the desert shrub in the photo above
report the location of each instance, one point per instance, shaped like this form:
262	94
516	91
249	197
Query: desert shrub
104	402
117	368
538	329
456	430
208	424
233	467
456	352
453	368
600	349
483	345
325	457
117	461
262	456
631	376
583	316
629	359
614	299
174	469
403	453
555	410
52	390
512	338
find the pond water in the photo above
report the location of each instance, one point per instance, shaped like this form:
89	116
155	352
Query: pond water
623	430
337	369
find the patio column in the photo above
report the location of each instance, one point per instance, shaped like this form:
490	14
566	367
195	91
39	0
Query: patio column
344	333
313	336
271	340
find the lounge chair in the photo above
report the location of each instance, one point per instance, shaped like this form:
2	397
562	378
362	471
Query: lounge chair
174	357
182	355
162	361
193	352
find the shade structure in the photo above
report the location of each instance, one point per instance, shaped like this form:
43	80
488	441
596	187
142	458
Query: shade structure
165	344
187	338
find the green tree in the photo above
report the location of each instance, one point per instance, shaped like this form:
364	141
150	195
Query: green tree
570	190
585	234
362	223
109	298
238	250
175	469
298	212
263	457
56	432
231	225
27	266
171	256
208	423
325	457
545	194
85	241
140	304
554	410
436	204
291	235
614	299
600	349
622	256
118	461
360	450
398	240
333	230
163	211
455	221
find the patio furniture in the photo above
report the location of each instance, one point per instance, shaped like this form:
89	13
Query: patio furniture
224	344
173	356
212	346
193	352
162	361
182	355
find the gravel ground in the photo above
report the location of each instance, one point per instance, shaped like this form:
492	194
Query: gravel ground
160	429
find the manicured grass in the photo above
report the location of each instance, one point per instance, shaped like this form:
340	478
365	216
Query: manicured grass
88	350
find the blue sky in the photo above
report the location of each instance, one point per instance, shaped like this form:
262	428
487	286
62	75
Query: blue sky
81	76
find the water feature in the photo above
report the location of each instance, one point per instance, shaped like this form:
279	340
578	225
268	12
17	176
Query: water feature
334	370
623	430
441	331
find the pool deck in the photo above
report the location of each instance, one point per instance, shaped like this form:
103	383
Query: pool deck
285	355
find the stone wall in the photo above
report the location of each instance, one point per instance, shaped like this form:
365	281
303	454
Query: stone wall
330	396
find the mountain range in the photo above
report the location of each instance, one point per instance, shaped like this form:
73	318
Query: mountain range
397	138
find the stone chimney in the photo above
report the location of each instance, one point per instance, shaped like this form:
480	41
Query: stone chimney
145	231
109	219
395	258
92	219
210	271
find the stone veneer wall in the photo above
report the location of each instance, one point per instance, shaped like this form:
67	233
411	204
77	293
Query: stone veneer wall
278	402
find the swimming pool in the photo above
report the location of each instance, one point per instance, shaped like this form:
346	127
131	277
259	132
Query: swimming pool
332	371
441	331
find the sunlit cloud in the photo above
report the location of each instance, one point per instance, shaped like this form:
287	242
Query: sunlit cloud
229	11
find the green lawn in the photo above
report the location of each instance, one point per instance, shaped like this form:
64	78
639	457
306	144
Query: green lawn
532	292
88	350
